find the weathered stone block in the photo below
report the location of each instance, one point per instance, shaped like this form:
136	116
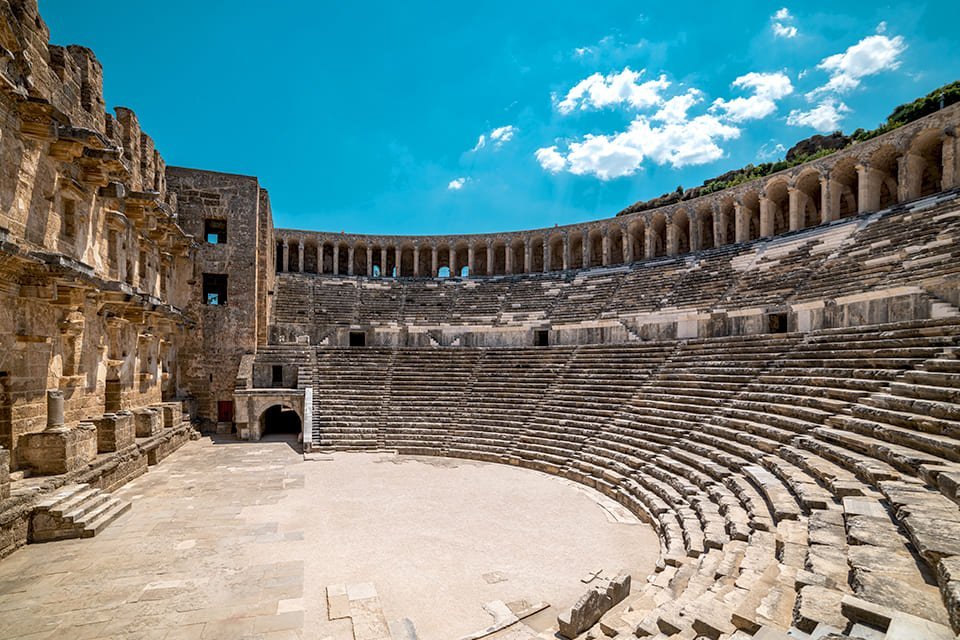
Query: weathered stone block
4	474
592	605
59	450
148	421
115	431
172	414
583	614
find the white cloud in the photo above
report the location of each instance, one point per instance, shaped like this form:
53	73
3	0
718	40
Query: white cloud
679	144
550	159
825	117
502	135
611	48
782	24
767	89
771	150
456	184
597	91
675	109
784	31
497	137
868	57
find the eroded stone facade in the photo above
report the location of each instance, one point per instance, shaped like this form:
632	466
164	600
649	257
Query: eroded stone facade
105	267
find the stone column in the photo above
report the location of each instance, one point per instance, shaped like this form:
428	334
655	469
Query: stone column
605	249
489	258
470	260
673	241
566	253
508	259
950	176
452	257
527	256
434	262
416	261
350	252
54	408
766	217
828	208
585	251
336	259
909	174
300	256
626	247
693	233
868	188
320	257
369	261
650	243
797	203
741	226
546	255
397	254
286	255
383	262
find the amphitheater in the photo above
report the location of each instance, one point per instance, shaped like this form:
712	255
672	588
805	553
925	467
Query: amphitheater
734	416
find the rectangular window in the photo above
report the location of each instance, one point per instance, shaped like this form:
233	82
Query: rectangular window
541	338
215	289
68	222
358	339
142	265
277	375
777	323
215	231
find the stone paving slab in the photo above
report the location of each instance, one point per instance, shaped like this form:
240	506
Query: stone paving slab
240	540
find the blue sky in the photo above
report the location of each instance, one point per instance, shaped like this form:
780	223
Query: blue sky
368	117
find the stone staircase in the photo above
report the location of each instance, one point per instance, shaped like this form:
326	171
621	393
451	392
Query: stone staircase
75	511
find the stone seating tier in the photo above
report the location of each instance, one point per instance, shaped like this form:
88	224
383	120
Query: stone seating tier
914	245
784	473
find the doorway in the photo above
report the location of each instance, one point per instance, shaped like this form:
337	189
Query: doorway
280	420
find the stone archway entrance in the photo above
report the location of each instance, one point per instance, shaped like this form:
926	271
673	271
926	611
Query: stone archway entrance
280	420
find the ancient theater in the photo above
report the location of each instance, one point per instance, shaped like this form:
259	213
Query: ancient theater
730	413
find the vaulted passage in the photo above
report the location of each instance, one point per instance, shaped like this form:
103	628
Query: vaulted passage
279	420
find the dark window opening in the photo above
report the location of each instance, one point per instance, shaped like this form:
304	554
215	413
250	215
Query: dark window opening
214	289
358	339
277	378
112	247
69	222
215	231
541	338
142	265
225	411
777	323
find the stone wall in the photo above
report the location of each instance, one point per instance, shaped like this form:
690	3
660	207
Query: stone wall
226	331
94	268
